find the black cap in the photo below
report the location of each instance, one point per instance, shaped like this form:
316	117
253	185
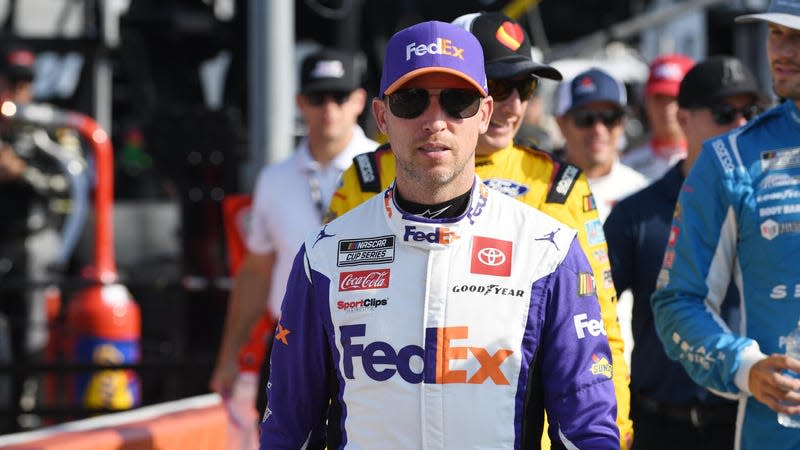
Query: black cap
330	70
506	47
17	64
711	80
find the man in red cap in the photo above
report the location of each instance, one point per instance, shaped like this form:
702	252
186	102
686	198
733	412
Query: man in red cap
667	143
16	74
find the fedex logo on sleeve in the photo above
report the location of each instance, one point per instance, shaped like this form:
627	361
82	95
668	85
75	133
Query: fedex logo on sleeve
436	363
438	47
585	325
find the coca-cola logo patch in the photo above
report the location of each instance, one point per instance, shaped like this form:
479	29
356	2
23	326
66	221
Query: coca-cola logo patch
364	279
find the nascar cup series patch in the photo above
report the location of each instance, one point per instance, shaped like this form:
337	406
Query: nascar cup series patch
372	250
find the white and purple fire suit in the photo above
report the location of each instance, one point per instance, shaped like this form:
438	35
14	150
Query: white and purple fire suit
398	331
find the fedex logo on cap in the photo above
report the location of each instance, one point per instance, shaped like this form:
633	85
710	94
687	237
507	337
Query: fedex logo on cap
439	362
438	47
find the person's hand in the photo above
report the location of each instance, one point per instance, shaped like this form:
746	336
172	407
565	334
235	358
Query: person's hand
11	166
772	387
223	377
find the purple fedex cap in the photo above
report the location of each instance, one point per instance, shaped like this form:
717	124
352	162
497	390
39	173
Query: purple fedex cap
430	47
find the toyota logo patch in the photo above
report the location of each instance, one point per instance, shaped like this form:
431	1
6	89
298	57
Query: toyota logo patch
491	256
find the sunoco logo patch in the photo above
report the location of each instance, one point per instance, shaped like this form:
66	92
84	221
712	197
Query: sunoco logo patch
374	250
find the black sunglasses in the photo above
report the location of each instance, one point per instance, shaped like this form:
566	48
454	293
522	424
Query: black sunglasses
586	118
457	103
318	98
724	113
502	89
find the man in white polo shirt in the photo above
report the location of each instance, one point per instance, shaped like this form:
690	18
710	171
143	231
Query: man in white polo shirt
291	197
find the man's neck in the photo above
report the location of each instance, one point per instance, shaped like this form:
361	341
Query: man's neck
666	135
443	210
595	172
592	171
325	150
486	150
428	193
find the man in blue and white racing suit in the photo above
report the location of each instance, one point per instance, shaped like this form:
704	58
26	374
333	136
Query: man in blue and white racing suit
440	313
738	217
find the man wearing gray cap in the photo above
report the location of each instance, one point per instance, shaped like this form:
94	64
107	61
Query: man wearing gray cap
738	218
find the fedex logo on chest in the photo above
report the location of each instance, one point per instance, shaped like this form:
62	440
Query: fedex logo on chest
439	361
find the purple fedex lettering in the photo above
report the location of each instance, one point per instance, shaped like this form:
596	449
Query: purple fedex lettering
440	235
435	358
476	210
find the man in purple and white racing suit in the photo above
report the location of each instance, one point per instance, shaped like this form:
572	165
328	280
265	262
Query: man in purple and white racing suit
440	313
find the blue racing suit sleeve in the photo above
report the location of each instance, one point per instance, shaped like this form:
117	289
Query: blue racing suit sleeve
300	363
692	285
578	391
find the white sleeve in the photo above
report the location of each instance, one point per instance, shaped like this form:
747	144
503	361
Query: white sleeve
259	239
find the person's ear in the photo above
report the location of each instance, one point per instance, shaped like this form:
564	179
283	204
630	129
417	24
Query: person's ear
562	122
683	118
487	107
379	113
359	99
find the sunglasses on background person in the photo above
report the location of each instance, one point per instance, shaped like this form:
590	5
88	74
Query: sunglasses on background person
457	103
503	88
318	98
724	113
586	118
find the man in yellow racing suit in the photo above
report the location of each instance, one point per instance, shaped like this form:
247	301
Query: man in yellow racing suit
532	176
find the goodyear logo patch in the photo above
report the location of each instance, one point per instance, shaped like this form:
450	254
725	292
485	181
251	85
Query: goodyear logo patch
586	284
601	366
373	250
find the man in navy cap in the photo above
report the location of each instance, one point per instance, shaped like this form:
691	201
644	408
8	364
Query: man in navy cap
590	112
737	219
403	330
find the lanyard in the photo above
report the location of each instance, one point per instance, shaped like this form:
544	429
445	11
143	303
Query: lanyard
316	194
